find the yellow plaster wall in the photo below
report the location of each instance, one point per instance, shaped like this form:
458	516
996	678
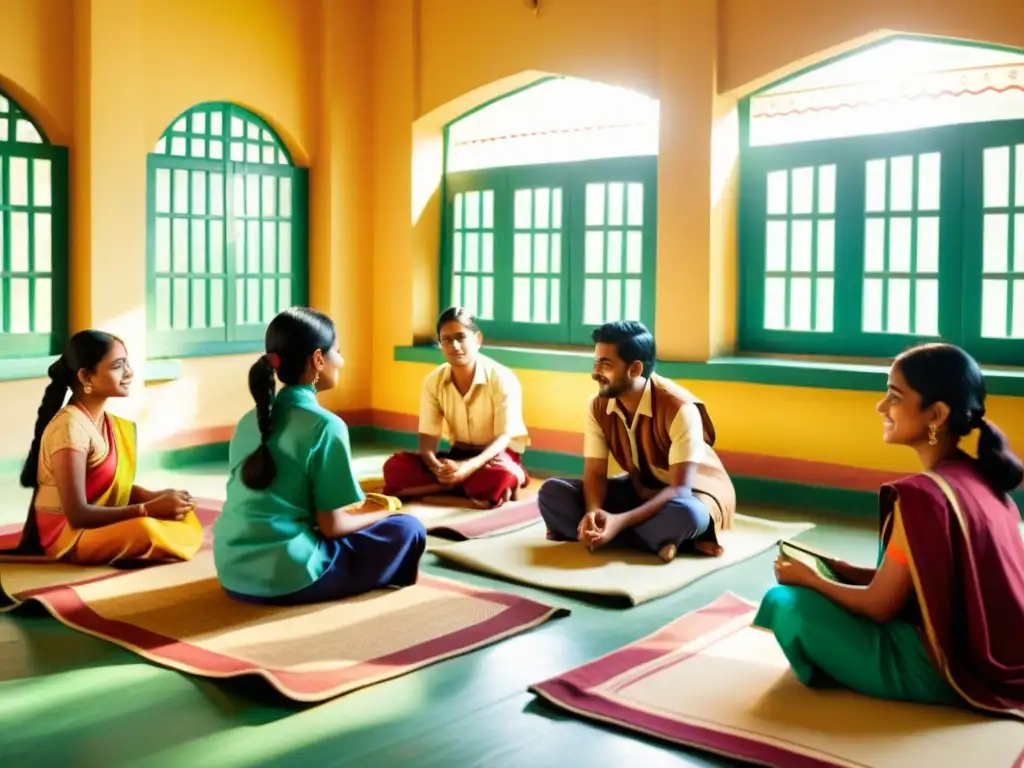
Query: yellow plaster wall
437	58
359	92
106	77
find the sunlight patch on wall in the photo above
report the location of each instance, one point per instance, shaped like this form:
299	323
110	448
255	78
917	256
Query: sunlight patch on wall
898	85
559	120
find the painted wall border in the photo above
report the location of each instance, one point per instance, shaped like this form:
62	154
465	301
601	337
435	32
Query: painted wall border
864	377
818	488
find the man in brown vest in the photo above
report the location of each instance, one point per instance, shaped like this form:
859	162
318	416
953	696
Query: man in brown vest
675	489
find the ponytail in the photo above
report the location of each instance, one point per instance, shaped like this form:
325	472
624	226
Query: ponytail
1002	470
61	377
259	470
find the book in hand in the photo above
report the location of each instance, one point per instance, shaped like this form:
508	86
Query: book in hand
811	557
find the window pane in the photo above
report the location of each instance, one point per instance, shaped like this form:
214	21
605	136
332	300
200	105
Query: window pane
179	310
44	242
43	305
775	246
993	308
800	304
521	299
523	208
41	182
487	299
874	188
996	181
198	303
542	208
20	306
803	190
631	310
899	306
634	252
775	303
540	253
928	180
615	204
874	245
928	244
899	244
593	309
19	242
827	189
635	207
872	309
614	251
1017	320
778	190
901	183
594	251
216	303
926	320
826	245
540	300
801	254
521	252
17	179
824	305
595	215
996	242
613	301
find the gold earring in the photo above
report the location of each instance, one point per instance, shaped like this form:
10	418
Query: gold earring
932	439
316	379
88	389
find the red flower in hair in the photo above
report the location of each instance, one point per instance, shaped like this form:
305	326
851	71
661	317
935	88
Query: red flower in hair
274	360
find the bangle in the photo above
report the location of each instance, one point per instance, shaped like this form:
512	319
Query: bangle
142	510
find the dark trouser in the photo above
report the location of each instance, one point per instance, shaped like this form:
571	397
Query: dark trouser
385	554
681	519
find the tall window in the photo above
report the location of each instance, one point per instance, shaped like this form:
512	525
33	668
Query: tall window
33	237
550	222
880	214
227	228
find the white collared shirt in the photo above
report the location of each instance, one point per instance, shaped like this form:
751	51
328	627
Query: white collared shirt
686	433
493	406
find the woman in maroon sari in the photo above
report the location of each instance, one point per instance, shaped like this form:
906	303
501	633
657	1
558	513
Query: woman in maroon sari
941	619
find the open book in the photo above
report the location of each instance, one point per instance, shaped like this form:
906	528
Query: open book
809	556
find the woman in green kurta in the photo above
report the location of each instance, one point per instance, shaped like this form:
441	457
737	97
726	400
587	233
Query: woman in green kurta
940	620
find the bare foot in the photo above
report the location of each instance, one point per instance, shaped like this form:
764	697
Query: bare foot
709	548
550	536
488	504
667	553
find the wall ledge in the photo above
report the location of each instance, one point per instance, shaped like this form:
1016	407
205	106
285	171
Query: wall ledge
26	368
20	368
864	377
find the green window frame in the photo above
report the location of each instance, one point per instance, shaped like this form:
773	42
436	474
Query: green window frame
227	229
865	246
33	237
545	253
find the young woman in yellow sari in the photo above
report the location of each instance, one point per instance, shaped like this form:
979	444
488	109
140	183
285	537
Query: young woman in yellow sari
86	508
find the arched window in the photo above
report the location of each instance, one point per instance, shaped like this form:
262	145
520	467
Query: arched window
227	228
33	237
882	204
551	211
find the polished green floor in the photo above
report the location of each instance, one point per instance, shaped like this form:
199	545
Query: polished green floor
72	700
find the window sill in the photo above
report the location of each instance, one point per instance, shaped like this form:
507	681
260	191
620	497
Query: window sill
155	371
750	370
27	368
21	368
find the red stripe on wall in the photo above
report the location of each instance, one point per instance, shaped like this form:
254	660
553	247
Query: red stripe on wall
738	463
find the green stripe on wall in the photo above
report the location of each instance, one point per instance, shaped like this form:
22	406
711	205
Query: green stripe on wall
759	491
